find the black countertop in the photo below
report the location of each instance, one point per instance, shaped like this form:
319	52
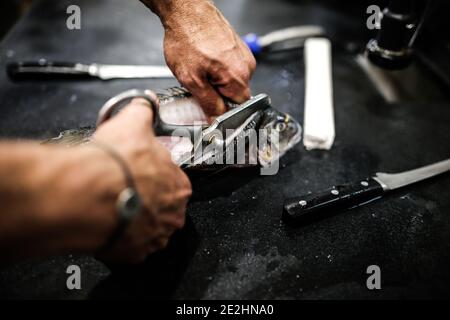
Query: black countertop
234	244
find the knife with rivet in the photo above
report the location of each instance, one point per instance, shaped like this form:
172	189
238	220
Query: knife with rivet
312	207
44	69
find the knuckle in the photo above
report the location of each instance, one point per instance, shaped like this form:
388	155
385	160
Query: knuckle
252	64
164	242
180	222
207	96
188	190
161	243
187	81
193	83
244	74
184	180
225	77
181	73
181	212
179	225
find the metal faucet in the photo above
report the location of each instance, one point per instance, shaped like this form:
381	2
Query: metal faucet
392	48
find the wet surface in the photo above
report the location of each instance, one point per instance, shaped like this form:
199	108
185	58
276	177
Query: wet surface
235	245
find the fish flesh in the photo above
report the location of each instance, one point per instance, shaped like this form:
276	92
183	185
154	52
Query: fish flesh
177	106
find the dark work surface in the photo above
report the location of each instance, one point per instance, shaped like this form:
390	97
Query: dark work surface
235	245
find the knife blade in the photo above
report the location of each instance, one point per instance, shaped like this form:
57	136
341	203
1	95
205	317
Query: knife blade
43	69
107	72
312	207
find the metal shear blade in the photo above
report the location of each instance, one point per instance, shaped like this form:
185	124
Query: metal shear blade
215	137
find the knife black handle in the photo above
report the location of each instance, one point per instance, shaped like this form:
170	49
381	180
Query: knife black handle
312	207
44	69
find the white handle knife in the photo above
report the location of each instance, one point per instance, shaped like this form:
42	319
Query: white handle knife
47	70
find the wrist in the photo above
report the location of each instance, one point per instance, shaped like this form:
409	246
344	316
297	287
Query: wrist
78	198
174	12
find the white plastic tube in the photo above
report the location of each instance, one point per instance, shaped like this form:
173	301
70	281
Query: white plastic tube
319	130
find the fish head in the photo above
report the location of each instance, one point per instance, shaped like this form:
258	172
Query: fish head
282	133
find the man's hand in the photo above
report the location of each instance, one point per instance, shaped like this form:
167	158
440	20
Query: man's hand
162	185
204	52
58	200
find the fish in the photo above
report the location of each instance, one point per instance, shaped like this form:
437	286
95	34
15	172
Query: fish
178	106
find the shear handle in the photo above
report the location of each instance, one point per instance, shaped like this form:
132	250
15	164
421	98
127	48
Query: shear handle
161	128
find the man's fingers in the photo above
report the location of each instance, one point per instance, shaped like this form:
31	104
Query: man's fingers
235	91
233	84
137	114
139	107
210	100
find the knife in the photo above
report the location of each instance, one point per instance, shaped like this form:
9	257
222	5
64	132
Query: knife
312	207
44	69
284	39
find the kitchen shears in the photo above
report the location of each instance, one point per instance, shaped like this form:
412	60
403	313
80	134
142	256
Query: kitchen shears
203	137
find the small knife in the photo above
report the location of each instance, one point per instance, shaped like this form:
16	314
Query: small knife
311	207
43	69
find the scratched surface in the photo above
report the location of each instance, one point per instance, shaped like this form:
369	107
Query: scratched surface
234	244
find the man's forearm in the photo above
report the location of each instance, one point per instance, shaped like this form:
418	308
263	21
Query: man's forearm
44	207
178	10
165	7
